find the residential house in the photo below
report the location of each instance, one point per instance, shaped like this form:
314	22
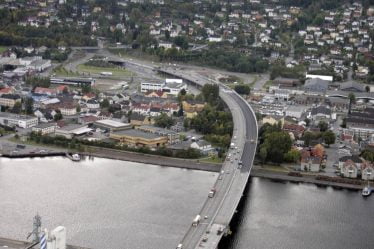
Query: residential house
203	146
367	171
9	100
273	120
361	123
356	159
350	169
321	113
192	107
137	119
45	128
286	82
296	130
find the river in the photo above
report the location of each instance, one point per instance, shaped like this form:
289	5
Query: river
276	215
104	204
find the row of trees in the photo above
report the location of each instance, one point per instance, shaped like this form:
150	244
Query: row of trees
81	144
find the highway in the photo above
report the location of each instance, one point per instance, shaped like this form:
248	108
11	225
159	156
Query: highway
217	212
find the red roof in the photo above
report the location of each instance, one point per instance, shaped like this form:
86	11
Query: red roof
43	90
5	90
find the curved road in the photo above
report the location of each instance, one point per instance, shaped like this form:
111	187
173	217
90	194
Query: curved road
218	211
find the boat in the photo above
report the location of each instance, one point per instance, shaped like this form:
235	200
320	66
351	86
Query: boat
76	157
367	190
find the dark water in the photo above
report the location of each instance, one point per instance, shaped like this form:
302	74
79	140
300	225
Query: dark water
277	215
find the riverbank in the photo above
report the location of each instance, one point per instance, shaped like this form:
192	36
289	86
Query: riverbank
127	156
283	176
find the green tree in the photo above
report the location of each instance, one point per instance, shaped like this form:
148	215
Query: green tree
164	121
292	156
263	153
323	126
368	155
308	137
17	108
242	89
58	115
352	100
210	93
78	108
29	105
367	88
329	137
105	103
277	144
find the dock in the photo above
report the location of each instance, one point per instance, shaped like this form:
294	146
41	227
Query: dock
18	244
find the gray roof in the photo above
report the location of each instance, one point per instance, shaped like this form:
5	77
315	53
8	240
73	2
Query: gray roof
321	109
137	133
316	85
352	86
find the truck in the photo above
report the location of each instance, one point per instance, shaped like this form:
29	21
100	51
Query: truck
211	193
196	221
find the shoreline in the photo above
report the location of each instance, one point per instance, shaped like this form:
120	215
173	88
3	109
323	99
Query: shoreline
190	164
284	177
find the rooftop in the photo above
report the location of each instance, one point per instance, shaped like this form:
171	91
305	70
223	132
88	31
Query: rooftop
137	133
112	123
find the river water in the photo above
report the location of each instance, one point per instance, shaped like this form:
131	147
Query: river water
104	204
275	215
109	204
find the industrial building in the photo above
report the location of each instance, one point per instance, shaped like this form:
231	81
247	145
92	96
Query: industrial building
137	138
22	121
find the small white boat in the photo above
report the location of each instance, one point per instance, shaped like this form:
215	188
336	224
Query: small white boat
367	191
76	157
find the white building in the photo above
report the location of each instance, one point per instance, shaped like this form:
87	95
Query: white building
46	128
22	121
171	86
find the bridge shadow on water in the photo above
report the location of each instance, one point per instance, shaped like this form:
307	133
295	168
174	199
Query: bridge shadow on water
227	242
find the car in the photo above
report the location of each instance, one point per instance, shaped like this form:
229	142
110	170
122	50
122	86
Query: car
220	177
252	141
205	239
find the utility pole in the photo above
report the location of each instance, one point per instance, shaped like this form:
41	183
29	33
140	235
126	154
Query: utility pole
37	225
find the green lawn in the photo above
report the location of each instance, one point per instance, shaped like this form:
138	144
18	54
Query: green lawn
3	48
216	160
97	70
61	71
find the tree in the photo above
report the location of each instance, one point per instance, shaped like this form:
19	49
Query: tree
78	108
181	41
58	115
242	89
323	126
329	137
263	153
164	121
292	156
277	144
368	155
307	121
105	103
367	88
352	100
167	35
307	138
183	92
17	108
65	90
29	105
210	93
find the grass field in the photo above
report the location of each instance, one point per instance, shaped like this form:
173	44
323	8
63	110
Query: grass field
60	71
212	160
3	48
97	70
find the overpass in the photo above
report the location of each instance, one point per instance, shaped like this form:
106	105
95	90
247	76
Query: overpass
217	212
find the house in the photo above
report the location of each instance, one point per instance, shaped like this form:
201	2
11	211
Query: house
296	130
321	113
356	159
310	163
350	169
156	94
192	107
204	147
6	90
273	120
45	128
92	104
367	171
45	91
295	111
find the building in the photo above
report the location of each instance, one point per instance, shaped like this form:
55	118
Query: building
273	120
367	171
45	91
295	111
352	87
44	128
321	113
204	147
111	125
361	123
356	159
316	85
22	121
296	130
70	131
310	163
173	137
350	169
138	138
9	100
192	107
170	86
137	119
286	82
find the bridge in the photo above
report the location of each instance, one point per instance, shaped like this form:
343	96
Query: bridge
217	211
